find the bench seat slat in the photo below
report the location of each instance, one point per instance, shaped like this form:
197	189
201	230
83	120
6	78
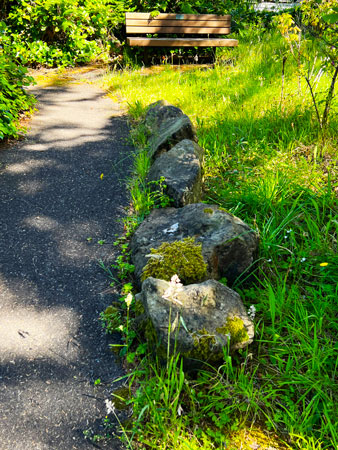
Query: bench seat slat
181	42
177	29
175	23
132	15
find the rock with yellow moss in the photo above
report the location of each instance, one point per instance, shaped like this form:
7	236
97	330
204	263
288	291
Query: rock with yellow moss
199	319
228	245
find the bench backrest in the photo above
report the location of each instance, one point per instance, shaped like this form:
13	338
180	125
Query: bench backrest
143	23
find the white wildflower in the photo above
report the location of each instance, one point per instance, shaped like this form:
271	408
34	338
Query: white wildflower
128	300
175	281
252	312
175	286
303	260
109	406
120	327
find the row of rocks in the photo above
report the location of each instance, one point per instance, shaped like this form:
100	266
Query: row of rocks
205	316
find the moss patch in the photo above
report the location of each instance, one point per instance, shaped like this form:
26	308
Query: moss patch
121	395
204	345
208	211
235	327
183	258
139	308
152	339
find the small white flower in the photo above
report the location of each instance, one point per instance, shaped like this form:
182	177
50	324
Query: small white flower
289	231
302	260
120	327
252	312
268	260
109	406
179	410
128	300
175	280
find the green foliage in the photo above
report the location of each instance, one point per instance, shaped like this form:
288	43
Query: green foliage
268	162
182	258
111	319
319	21
13	79
64	32
187	7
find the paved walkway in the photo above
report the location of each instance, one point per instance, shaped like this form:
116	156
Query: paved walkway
51	200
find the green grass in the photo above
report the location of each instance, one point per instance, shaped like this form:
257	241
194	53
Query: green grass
268	162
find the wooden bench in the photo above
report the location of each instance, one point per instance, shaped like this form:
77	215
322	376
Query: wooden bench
188	25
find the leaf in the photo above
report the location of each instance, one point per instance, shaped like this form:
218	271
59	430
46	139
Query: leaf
174	324
183	324
330	18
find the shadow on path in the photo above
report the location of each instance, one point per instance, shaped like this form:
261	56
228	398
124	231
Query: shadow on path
52	200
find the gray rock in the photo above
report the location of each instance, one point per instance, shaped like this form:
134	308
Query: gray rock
203	317
229	246
181	168
159	112
167	126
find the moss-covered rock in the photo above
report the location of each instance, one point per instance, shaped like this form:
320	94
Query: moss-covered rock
202	318
229	246
182	258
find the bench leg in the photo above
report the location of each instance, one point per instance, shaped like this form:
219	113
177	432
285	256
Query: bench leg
145	56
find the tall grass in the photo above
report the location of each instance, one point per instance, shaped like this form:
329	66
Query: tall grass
268	162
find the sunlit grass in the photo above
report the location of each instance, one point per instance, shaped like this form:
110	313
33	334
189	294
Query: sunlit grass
268	162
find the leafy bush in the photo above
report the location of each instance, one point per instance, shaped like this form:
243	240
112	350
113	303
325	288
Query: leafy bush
13	98
64	32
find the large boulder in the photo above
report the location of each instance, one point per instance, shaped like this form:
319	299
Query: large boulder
181	169
167	126
204	317
229	246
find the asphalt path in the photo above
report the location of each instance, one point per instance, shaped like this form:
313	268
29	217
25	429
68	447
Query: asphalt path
54	208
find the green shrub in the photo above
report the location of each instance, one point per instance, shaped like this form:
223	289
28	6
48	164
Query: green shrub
13	98
64	32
